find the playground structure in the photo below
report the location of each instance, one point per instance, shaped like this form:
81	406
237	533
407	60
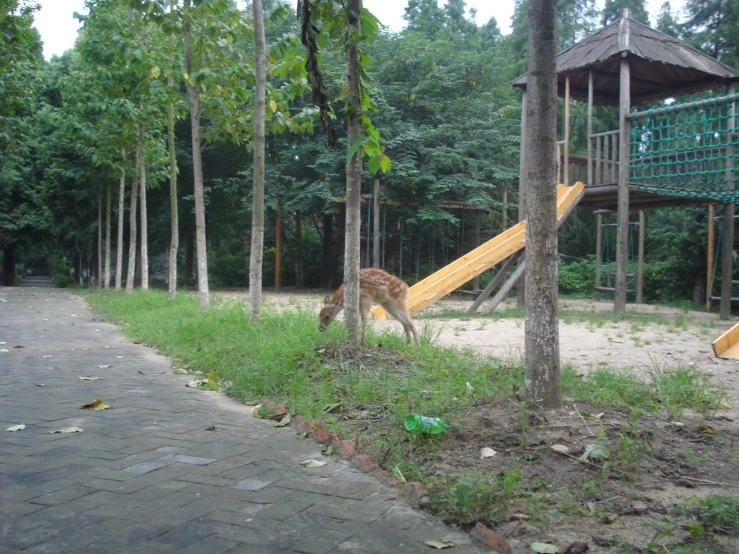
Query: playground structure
672	155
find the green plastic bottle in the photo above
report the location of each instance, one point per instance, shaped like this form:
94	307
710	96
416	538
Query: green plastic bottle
421	424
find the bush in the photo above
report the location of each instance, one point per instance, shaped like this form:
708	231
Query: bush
229	270
577	277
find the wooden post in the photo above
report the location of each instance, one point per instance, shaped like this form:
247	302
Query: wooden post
598	154
711	253
505	289
502	272
278	251
566	161
727	254
598	254
622	239
640	263
376	224
476	280
590	129
522	190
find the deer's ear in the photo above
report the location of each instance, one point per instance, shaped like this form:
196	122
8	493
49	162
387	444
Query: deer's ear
327	300
339	303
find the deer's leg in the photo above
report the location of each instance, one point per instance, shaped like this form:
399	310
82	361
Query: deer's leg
365	303
401	314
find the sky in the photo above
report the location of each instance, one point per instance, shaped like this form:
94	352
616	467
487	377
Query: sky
58	28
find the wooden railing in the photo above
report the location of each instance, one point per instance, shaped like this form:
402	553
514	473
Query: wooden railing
605	158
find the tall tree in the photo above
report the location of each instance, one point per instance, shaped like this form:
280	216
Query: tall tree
543	381
193	95
257	210
614	10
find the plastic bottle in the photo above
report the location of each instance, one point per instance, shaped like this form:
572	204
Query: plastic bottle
421	424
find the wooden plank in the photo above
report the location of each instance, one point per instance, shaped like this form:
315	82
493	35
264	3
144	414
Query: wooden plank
727	345
566	162
640	260
492	285
590	128
505	289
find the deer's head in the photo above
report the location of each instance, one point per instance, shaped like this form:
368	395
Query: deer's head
329	312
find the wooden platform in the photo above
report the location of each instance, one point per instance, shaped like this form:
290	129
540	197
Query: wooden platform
605	197
727	345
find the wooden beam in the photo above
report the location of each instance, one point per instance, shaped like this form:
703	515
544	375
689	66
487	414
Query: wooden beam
566	162
590	128
492	285
598	254
278	251
505	289
727	254
622	240
711	252
640	263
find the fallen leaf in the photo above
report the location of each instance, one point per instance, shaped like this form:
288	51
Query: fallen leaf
91	378
607	519
19	346
438	544
3	342
96	406
301	436
68	430
16	428
561	448
332	407
596	452
52	367
179	371
723	405
47	356
284	421
469	387
40	385
518	517
196	383
544	548
4	350
487	452
313	463
120	357
328	450
210	428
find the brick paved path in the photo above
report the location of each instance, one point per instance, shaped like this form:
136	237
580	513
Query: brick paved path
146	476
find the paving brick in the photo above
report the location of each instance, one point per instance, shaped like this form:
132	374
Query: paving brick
211	545
184	459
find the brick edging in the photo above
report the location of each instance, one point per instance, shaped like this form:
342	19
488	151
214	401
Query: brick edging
414	493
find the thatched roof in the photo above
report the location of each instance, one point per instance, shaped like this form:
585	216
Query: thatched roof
661	66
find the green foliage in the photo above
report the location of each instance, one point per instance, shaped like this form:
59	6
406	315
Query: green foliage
577	277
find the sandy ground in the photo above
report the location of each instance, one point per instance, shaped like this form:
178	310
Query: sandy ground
650	338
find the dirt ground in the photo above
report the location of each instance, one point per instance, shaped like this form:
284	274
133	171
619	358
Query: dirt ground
691	458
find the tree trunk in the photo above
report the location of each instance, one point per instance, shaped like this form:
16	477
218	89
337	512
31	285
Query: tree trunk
353	179
142	193
298	256
193	95
99	268
9	265
256	254
121	210
328	259
132	238
543	382
174	242
107	235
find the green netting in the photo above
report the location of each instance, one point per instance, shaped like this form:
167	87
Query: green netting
686	151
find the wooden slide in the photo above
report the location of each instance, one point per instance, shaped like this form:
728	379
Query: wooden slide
727	345
451	277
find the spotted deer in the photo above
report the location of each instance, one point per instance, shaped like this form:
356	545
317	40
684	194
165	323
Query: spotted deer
375	286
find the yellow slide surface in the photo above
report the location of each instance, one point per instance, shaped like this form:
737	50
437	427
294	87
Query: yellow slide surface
727	345
451	277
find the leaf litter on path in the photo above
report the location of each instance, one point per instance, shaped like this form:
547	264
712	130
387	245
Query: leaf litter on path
96	406
313	463
90	378
19	427
67	430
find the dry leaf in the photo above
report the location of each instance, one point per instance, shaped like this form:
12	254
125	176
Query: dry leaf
47	356
103	366
313	463
68	430
596	452
328	450
96	406
561	448
487	452
210	428
120	357
196	383
284	421
91	378
40	385
179	371
51	367
16	428
438	544
4	350
723	405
